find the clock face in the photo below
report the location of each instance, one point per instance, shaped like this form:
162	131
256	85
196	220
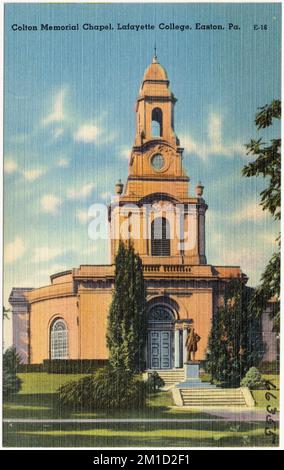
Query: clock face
157	161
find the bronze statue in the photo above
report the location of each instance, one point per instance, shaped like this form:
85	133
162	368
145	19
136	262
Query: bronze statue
191	344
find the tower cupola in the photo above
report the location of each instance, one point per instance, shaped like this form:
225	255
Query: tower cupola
155	106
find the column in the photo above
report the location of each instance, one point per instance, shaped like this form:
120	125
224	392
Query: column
184	336
192	242
177	348
202	210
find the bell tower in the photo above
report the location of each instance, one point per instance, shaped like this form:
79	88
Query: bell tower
156	157
155	106
157	186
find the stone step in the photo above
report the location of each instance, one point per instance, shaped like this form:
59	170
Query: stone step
171	377
203	404
213	403
217	405
216	390
191	395
223	400
171	374
180	376
212	397
207	392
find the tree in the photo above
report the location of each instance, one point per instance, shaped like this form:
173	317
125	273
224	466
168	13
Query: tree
268	164
235	342
11	382
6	313
126	332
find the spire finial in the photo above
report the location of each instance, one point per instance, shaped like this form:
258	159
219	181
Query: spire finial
155	58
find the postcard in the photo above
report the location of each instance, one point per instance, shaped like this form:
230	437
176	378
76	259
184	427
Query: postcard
141	225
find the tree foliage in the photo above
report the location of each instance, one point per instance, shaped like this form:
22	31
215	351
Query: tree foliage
154	382
253	379
235	342
268	165
11	382
126	332
106	389
6	313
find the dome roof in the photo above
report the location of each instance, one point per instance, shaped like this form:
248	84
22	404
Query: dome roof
155	71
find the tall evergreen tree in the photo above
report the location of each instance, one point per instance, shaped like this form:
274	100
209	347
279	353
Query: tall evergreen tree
268	165
11	382
126	330
235	342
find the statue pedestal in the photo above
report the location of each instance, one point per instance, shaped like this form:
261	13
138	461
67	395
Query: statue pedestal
191	377
191	370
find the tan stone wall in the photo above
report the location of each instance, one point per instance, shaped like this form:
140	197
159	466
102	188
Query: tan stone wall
86	319
94	307
42	315
198	307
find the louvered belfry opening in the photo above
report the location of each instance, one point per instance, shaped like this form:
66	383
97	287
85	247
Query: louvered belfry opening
160	237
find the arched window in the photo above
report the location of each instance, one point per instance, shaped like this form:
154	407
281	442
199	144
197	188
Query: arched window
160	237
58	340
160	313
157	123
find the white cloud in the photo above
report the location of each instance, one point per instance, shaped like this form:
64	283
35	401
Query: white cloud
45	253
269	238
249	212
214	130
57	113
82	192
10	166
90	249
83	216
14	250
63	162
53	269
32	175
189	144
125	152
50	203
252	211
107	137
214	145
87	133
58	132
106	195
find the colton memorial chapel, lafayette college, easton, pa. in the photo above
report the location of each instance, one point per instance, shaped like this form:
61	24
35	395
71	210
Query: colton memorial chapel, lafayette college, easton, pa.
68	318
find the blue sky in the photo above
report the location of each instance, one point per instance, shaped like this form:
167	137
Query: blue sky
69	125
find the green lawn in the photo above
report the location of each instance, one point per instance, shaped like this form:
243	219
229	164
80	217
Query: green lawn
40	382
259	395
45	405
198	434
37	399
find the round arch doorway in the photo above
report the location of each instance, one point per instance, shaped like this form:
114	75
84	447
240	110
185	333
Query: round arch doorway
160	337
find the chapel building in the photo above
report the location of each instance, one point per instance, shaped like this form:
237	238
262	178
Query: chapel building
68	318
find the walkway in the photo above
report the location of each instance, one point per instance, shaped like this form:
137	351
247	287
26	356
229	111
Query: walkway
217	415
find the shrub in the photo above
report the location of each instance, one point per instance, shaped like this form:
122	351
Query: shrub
154	382
73	366
11	362
27	368
253	379
106	389
11	383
